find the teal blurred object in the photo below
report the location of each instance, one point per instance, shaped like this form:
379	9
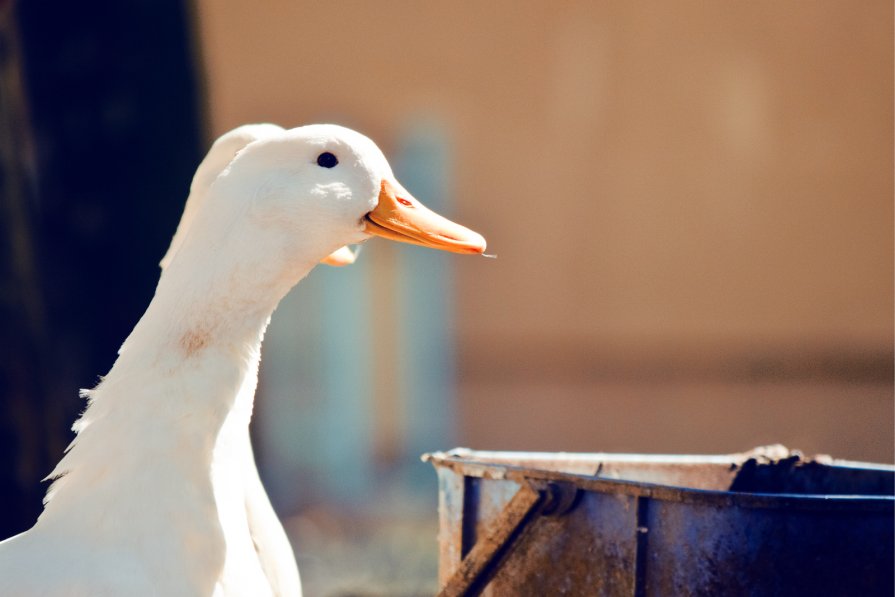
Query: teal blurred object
427	346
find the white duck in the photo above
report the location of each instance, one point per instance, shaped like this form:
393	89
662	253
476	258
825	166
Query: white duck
159	493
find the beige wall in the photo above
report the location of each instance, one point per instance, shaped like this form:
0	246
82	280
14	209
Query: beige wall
680	193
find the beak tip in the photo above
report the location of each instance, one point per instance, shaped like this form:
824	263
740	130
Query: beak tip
406	220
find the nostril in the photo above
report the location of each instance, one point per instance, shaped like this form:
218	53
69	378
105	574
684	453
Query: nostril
404	202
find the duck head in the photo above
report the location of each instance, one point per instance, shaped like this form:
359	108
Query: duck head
327	185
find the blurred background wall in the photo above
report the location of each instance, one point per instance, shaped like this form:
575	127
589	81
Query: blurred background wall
691	204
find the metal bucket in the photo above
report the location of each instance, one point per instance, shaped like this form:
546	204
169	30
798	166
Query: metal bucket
766	522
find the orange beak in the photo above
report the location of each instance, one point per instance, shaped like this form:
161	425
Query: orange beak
406	220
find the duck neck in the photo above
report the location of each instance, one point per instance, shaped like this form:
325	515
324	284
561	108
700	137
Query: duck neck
168	426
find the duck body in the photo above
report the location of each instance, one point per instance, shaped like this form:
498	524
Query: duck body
159	493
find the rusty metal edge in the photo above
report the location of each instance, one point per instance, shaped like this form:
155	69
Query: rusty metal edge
494	545
459	463
765	453
451	497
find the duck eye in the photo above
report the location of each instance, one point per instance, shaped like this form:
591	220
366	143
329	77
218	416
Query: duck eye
327	160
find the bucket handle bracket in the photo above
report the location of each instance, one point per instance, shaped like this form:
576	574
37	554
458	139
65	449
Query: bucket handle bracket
533	498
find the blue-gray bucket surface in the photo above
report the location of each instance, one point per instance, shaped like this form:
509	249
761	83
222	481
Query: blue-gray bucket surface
766	522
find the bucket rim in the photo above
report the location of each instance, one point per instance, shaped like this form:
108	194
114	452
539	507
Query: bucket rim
476	464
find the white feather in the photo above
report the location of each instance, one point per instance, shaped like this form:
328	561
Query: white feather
159	493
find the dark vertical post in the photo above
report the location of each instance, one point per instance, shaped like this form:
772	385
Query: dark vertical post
108	92
23	413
